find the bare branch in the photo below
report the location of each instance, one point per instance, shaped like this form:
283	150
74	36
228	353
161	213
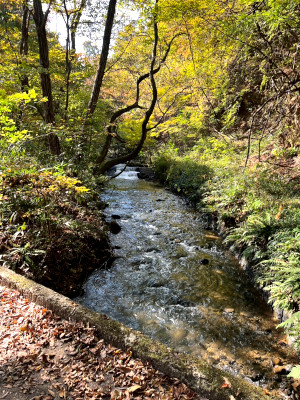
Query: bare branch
166	111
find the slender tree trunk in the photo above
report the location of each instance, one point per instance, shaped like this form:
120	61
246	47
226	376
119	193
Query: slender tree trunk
103	58
72	19
24	44
74	25
40	20
128	157
68	62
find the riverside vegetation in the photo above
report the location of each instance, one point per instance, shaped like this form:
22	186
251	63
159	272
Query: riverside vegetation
206	91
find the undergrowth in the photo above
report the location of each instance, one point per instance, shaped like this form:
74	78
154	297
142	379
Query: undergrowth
51	226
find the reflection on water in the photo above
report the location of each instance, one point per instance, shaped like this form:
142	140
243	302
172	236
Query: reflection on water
175	282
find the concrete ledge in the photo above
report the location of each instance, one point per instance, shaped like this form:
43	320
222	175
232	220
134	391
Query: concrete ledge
196	374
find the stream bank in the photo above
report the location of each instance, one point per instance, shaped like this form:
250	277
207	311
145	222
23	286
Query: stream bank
52	229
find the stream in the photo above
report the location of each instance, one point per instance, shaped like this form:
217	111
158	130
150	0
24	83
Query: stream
177	283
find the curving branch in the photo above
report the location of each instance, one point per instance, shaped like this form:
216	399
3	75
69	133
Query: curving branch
124	159
165	112
110	132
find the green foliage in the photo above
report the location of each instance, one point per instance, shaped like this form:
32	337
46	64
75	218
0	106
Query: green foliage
46	215
183	175
253	234
281	278
259	206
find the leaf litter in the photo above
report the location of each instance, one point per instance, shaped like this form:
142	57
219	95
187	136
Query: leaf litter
44	357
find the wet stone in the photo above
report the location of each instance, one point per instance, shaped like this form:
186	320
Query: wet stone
229	310
204	261
180	253
184	303
245	314
151	249
156	284
114	227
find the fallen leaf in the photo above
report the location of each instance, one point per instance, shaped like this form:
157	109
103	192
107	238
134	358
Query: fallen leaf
24	328
133	388
296	384
266	392
279	368
115	394
226	383
125	369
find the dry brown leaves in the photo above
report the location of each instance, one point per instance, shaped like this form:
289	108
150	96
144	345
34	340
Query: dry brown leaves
43	357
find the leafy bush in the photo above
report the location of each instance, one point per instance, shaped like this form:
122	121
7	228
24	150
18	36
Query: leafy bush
51	227
183	175
263	207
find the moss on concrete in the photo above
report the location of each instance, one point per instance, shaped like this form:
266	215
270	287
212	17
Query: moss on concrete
196	374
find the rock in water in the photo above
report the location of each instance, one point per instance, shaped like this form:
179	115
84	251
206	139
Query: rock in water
204	261
114	227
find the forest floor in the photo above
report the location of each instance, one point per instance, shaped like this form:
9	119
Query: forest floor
44	357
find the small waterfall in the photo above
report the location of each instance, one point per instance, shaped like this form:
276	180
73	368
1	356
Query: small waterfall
128	173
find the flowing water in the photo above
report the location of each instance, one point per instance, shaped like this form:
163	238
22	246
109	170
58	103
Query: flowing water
176	282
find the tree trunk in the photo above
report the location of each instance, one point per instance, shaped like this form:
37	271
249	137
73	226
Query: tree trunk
24	44
111	128
128	157
74	25
40	20
103	58
72	19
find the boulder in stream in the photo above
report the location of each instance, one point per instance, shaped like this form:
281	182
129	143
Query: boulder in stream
204	261
145	173
114	227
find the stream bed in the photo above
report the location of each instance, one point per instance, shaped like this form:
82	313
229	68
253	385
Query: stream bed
177	283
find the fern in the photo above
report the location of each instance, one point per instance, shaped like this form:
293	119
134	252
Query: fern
293	321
